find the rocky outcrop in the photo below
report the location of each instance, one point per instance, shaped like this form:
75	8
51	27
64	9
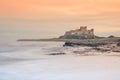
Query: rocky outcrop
102	45
90	44
106	42
107	49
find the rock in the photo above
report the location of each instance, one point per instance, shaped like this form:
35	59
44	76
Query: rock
112	45
96	48
102	49
79	52
116	49
68	44
90	44
57	54
106	49
118	44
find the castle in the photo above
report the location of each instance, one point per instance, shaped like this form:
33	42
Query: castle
82	31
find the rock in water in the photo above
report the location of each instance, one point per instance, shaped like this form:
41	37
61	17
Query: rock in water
57	54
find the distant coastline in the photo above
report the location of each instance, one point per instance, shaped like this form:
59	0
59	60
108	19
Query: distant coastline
92	41
51	39
84	37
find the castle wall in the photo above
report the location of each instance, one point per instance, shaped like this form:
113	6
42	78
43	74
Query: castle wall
82	31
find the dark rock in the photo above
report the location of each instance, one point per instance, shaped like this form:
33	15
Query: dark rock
102	49
111	36
68	44
90	44
57	54
97	49
79	52
118	44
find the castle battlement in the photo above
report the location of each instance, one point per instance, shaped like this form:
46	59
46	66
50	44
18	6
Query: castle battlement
81	31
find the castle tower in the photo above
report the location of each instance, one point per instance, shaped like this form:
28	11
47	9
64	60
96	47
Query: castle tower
83	30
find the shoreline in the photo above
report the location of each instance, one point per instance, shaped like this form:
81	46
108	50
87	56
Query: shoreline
103	45
75	40
55	39
80	42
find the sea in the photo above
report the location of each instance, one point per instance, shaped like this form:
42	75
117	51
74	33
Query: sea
32	61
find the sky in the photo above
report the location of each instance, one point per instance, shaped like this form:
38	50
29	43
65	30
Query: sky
51	18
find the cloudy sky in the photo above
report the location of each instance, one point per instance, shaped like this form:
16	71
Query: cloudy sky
51	18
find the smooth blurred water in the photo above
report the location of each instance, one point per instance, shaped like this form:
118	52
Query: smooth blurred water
17	49
30	61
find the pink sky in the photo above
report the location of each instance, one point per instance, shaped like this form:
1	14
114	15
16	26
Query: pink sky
53	17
